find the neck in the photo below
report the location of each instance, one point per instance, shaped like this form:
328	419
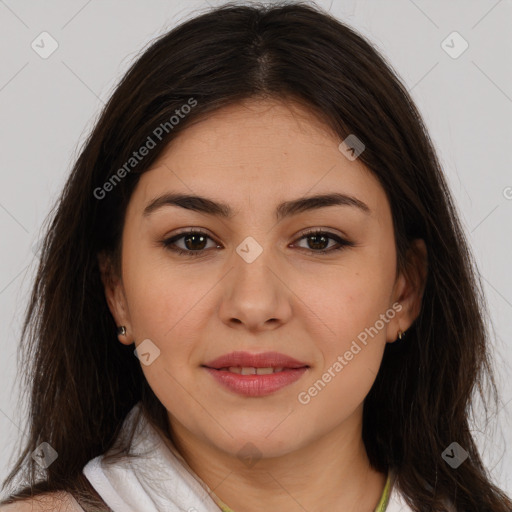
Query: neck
330	473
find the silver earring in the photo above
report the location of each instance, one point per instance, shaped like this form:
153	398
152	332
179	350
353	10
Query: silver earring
121	330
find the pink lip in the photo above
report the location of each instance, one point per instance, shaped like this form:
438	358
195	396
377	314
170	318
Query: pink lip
256	385
263	360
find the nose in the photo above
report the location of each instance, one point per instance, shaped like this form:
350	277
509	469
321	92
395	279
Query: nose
256	297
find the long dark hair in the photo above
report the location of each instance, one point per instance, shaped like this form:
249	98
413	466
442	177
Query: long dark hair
83	382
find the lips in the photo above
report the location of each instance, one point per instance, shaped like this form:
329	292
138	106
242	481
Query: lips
246	360
255	375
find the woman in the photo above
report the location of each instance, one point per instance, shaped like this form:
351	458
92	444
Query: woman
255	293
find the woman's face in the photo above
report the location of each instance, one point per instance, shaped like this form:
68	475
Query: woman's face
254	281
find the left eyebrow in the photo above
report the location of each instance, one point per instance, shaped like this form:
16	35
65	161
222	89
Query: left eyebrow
286	209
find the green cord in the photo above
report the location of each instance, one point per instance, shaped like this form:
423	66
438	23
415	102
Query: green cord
384	499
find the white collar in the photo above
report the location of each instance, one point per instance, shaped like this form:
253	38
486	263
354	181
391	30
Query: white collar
154	481
159	479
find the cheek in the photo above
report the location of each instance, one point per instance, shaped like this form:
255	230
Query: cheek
164	308
349	341
346	299
348	304
163	299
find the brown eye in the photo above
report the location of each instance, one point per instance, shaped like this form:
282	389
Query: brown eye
318	242
194	243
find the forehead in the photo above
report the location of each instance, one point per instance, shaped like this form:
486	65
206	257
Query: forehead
254	133
255	153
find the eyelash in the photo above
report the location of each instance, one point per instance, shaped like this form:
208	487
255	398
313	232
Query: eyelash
168	243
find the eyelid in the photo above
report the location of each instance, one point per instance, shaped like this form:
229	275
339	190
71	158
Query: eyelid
186	231
327	231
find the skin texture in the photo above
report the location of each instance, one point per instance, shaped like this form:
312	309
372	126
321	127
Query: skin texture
292	300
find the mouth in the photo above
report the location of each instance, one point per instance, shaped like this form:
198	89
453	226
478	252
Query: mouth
255	374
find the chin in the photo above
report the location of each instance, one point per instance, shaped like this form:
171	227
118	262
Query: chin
249	450
259	443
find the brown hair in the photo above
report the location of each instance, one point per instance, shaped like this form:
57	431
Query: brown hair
83	382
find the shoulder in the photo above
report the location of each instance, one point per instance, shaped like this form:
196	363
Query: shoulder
50	502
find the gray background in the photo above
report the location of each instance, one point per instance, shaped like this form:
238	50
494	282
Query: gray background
49	105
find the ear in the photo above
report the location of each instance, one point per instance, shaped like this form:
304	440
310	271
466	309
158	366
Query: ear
409	288
115	295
